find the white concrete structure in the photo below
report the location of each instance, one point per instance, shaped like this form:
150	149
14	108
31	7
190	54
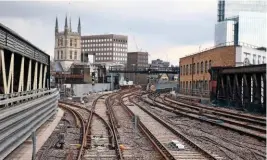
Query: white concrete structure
242	21
224	32
249	56
67	45
231	8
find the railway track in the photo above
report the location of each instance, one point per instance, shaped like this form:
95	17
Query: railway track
98	137
79	122
259	120
161	134
228	144
240	127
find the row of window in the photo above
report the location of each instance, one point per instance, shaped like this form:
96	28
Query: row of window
104	49
110	58
72	55
103	40
105	44
200	84
259	59
200	67
73	42
109	53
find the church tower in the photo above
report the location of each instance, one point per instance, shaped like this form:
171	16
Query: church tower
67	45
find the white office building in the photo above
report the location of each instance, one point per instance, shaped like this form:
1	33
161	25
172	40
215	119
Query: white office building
249	56
242	21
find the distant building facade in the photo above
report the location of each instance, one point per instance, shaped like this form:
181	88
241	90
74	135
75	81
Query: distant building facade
241	22
137	60
67	45
159	63
106	48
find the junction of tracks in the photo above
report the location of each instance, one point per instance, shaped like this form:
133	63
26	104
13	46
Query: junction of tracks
134	124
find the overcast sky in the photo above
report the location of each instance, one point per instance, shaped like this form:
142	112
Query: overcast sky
167	29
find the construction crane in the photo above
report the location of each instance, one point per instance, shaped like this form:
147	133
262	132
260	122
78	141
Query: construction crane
135	42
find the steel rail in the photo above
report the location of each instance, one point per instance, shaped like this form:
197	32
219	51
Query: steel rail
248	118
159	147
89	111
236	120
195	116
176	132
113	121
79	116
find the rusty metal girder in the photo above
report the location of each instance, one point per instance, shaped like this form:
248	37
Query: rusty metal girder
245	69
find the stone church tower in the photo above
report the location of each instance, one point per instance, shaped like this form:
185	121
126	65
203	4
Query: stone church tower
67	45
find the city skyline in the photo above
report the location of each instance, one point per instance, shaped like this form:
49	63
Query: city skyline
173	33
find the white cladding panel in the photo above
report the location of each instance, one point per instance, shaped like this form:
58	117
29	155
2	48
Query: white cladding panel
224	32
252	28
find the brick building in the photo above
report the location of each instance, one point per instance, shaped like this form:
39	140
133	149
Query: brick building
194	75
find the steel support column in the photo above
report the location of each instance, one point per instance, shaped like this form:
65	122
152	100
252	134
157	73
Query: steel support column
44	78
8	81
21	76
246	89
29	79
40	77
257	89
35	76
237	90
264	89
229	89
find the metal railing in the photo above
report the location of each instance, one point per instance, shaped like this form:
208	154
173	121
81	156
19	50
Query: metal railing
18	122
223	45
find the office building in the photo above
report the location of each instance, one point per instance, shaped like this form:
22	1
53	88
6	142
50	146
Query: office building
67	46
158	63
194	75
107	48
241	22
231	8
137	60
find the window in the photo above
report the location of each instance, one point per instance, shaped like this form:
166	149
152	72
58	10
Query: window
71	42
61	56
75	55
254	59
190	69
259	59
206	66
197	68
75	42
210	64
70	54
194	67
201	67
58	55
66	42
186	69
61	41
181	69
263	59
58	42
